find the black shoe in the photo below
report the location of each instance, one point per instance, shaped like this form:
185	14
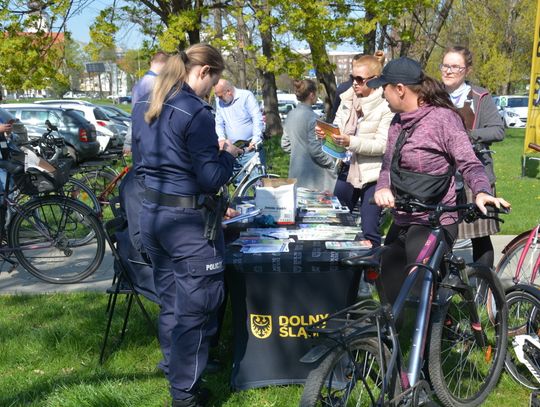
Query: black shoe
189	402
213	366
199	399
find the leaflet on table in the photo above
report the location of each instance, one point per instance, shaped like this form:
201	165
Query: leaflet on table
328	144
349	245
317	231
272	248
277	233
315	201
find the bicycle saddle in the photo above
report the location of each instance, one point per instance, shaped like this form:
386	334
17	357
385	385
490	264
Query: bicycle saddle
371	259
12	167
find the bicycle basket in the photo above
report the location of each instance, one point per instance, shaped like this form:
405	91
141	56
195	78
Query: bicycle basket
35	181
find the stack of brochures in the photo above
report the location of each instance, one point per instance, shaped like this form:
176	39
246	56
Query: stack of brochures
263	240
318	207
325	232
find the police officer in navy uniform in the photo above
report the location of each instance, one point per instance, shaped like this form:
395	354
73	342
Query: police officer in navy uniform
183	170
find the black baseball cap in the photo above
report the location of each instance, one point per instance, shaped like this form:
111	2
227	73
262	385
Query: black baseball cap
401	70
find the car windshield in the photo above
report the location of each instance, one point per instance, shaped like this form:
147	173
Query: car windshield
518	102
100	114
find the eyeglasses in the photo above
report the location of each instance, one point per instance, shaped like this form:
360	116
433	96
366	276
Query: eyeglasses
359	80
452	68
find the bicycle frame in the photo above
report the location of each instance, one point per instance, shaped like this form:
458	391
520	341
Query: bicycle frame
533	238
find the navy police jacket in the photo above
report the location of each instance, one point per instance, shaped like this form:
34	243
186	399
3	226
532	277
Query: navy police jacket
179	152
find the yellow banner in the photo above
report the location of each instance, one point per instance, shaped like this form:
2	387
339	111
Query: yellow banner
532	133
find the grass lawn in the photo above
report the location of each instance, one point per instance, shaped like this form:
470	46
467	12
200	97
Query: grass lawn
50	349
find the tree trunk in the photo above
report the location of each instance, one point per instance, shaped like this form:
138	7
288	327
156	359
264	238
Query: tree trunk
370	38
242	42
269	89
324	72
440	15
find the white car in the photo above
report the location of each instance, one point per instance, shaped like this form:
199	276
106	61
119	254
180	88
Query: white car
108	133
514	110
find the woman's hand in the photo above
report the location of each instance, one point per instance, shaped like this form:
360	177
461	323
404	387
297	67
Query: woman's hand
384	198
341	139
482	199
5	127
231	213
319	132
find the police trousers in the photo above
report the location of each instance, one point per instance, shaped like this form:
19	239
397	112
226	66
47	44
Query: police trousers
189	280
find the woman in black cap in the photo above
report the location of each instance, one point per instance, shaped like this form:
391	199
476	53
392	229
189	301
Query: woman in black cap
428	134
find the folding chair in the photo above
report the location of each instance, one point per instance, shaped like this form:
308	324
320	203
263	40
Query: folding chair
122	283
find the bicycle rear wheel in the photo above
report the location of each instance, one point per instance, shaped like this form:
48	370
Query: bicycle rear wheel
507	266
523	321
462	371
98	180
57	239
248	190
349	377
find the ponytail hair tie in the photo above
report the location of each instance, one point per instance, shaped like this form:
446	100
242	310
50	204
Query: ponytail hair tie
184	56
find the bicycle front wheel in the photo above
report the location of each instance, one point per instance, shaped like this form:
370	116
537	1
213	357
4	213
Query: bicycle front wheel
349	377
507	267
523	330
57	239
466	356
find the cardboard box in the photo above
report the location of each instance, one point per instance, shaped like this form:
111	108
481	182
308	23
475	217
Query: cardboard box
277	197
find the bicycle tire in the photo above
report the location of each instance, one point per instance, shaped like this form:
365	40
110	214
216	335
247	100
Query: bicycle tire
507	266
81	192
523	319
248	189
330	385
50	238
462	372
98	180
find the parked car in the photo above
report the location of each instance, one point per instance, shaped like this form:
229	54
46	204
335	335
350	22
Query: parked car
19	133
116	113
513	109
110	134
78	133
318	108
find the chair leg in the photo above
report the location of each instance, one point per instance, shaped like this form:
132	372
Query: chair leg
109	322
129	299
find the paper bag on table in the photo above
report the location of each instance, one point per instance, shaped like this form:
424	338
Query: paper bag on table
277	197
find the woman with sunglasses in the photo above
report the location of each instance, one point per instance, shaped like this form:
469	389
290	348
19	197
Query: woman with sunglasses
484	126
363	118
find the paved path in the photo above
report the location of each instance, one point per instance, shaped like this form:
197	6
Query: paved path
21	282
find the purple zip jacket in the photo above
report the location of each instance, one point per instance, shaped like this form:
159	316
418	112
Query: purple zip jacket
438	141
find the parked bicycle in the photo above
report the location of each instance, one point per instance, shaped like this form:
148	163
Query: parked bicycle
361	360
54	149
250	176
523	357
521	257
54	237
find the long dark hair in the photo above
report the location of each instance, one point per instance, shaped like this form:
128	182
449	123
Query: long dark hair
432	92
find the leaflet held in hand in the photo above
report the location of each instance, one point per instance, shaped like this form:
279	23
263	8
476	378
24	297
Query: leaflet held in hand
328	144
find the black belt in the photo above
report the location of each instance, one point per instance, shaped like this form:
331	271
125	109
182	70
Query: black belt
172	200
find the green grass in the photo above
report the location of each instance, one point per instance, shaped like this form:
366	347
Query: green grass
50	349
522	192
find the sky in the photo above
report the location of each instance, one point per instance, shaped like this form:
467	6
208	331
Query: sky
79	25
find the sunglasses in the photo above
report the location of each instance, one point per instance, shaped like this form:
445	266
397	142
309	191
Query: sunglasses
359	80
